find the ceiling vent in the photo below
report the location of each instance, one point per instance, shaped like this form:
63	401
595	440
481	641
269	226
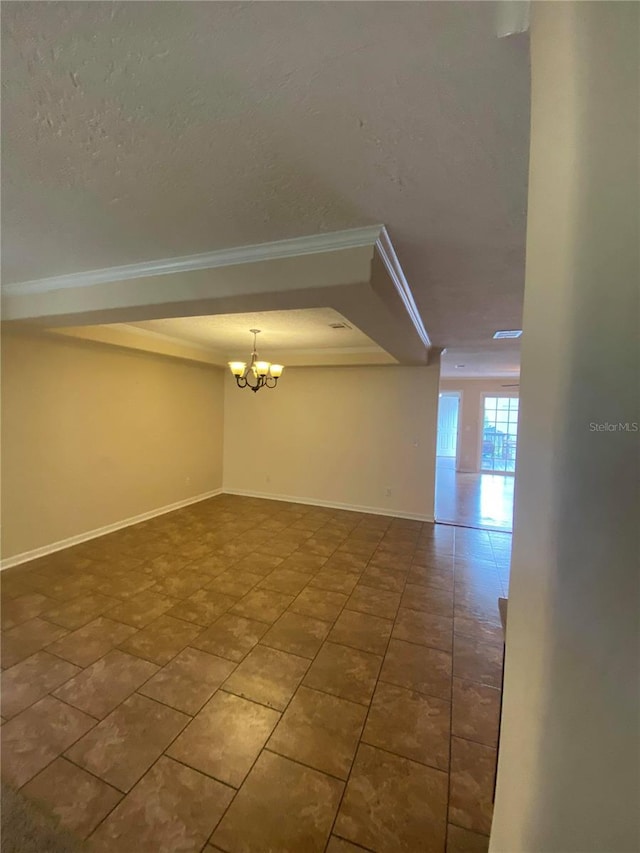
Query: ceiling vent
512	333
339	326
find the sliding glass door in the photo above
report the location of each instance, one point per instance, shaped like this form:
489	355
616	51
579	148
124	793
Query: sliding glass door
499	434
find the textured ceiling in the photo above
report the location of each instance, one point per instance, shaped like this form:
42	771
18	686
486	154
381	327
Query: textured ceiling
281	330
135	131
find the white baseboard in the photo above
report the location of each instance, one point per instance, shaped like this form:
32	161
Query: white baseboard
25	556
373	510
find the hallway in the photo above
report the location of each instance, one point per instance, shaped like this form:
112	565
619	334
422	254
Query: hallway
473	500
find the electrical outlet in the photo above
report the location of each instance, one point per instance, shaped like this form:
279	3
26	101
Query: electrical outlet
387	492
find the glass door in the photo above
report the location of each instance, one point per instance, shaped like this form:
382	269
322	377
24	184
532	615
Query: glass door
499	434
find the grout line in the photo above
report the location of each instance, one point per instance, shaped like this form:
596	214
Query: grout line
267	748
366	719
204	523
449	774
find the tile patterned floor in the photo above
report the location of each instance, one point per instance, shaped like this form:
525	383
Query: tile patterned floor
246	675
473	500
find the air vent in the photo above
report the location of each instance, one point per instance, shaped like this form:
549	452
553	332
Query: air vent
339	326
511	333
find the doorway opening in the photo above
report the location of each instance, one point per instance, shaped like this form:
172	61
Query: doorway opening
448	418
476	456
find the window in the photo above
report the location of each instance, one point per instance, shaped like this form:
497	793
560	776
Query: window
500	434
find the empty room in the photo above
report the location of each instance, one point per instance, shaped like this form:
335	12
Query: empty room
319	356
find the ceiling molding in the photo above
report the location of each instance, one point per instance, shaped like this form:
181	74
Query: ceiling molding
392	264
309	245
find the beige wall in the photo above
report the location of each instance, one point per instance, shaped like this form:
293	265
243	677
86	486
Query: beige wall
92	435
339	435
568	777
470	415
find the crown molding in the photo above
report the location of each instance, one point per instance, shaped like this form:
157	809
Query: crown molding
392	264
291	248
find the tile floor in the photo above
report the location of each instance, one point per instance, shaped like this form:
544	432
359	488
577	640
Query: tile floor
246	675
473	500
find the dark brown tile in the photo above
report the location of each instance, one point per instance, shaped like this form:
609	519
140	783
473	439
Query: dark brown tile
472	774
101	687
345	672
235	583
431	576
13	584
125	744
124	585
377	602
430	599
92	641
265	605
268	676
486	611
211	565
339	845
474	660
418	668
36	736
346	562
142	609
285	581
304	562
31	679
282	806
189	680
24	607
80	611
362	631
464	841
392	804
410	724
320	731
300	635
27	638
186	808
258	564
181	585
225	738
476	712
381	577
230	636
161	640
358	547
319	604
203	607
77	799
334	580
321	546
277	547
166	564
478	629
426	629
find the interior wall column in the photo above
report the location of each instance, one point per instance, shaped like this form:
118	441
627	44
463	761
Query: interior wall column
568	769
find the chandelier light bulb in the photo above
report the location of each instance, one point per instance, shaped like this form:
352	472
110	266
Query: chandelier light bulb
259	374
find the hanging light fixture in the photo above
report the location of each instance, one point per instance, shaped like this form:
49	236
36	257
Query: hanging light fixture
259	374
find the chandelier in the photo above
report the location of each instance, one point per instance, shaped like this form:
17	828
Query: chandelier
259	374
